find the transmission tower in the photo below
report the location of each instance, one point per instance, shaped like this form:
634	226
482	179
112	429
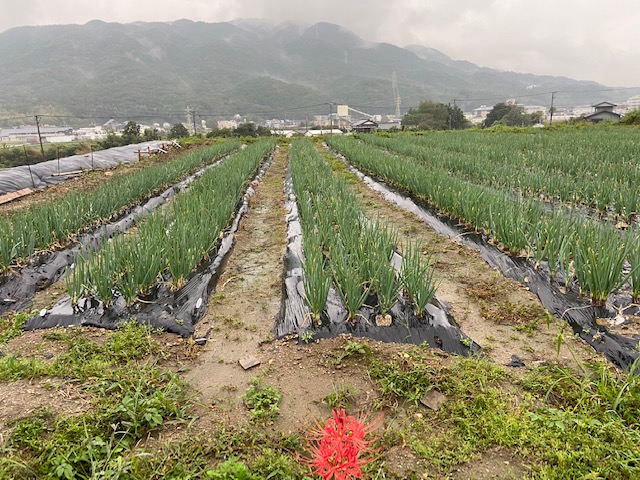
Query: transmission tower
191	124
396	92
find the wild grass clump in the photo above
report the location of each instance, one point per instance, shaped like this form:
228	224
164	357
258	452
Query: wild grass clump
129	398
558	423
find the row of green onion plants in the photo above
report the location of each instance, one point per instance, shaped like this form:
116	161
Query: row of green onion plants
49	226
170	243
345	249
593	167
593	255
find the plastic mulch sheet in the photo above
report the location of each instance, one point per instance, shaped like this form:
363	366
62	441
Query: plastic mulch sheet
559	301
44	174
437	328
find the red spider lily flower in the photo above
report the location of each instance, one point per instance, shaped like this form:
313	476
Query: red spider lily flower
340	448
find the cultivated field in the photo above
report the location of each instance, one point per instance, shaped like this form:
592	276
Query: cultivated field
472	300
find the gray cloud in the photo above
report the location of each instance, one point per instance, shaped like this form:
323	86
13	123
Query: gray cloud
593	40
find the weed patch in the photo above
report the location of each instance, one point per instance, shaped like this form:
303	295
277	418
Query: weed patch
12	325
262	401
128	400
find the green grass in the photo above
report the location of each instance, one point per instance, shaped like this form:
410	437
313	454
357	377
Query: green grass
342	395
128	397
565	425
556	422
12	325
408	379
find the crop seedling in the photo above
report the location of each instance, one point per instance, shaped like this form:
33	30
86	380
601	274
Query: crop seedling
346	275
599	260
633	240
417	278
316	279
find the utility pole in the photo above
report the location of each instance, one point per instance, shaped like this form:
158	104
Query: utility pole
190	123
553	94
396	93
455	106
40	138
330	118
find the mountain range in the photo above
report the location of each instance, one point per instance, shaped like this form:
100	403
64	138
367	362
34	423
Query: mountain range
249	67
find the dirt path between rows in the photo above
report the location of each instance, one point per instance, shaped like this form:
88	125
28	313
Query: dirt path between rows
241	318
241	314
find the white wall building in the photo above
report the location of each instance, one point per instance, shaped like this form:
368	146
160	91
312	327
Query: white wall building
230	124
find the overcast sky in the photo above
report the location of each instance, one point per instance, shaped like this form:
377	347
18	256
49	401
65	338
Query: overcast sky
582	39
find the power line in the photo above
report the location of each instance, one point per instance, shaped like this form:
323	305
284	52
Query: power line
266	112
5	119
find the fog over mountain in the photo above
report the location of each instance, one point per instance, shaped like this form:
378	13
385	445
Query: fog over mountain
255	68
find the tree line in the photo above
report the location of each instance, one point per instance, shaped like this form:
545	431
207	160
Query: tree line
439	116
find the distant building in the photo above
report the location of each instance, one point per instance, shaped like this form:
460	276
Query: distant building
30	134
633	103
385	126
535	109
326	131
284	133
227	124
603	111
364	126
90	133
479	114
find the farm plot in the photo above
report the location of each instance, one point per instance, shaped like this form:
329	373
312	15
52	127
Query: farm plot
163	252
350	281
18	287
581	253
85	402
595	169
46	227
